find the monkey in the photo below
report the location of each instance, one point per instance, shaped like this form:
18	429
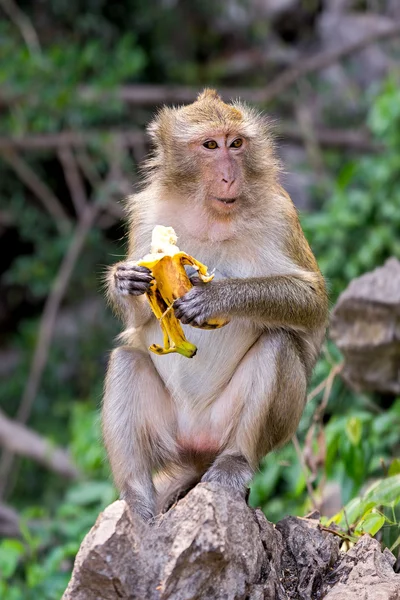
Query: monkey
170	422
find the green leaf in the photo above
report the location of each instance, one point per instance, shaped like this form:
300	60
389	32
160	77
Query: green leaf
395	544
350	513
394	468
35	575
371	523
90	492
385	492
354	430
11	552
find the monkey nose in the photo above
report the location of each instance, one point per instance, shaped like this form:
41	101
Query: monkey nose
228	181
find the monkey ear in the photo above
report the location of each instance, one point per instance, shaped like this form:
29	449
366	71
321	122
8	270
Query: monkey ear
159	128
209	94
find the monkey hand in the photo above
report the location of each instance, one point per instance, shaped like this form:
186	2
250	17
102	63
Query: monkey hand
197	306
130	279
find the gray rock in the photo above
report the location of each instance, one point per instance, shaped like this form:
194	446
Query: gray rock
212	546
365	572
366	327
107	565
307	557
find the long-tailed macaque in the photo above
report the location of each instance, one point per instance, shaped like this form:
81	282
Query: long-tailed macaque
214	179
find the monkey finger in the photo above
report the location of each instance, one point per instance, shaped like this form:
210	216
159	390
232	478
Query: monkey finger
180	313
134	275
134	288
122	281
187	315
194	321
138	287
130	266
199	320
184	319
178	307
133	283
136	292
196	281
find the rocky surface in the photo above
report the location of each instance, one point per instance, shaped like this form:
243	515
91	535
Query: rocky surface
212	546
366	327
365	573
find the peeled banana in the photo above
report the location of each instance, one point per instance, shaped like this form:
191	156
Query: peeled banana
167	264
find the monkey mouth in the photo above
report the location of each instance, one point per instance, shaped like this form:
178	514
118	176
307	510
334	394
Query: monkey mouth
226	200
224	206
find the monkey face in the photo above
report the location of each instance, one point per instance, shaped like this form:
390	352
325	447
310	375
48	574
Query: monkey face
220	160
213	157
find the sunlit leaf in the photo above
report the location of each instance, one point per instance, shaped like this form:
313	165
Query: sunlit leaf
385	492
394	468
350	514
371	523
395	544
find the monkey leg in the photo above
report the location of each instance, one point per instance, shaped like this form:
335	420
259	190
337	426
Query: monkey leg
230	470
138	422
268	390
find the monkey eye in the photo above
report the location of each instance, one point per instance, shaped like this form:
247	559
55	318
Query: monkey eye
237	143
210	145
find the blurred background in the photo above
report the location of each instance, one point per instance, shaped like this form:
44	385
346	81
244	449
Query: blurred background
78	83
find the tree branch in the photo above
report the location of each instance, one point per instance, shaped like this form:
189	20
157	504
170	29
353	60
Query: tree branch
350	139
18	439
346	139
19	18
50	202
73	178
152	95
306	66
76	139
88	167
52	306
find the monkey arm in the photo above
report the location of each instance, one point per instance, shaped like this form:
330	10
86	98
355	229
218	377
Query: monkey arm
281	300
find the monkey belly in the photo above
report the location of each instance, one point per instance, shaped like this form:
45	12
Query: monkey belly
196	382
203	418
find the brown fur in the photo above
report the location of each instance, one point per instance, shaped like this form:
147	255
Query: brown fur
217	414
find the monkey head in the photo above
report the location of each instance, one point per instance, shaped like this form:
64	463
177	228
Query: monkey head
213	154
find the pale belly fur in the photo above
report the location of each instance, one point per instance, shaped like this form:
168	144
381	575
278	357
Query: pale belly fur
196	384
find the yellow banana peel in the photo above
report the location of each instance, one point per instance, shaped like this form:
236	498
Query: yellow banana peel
167	264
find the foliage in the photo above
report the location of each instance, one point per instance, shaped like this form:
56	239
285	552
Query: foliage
377	508
359	224
46	102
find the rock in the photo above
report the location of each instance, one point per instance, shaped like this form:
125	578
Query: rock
107	564
365	572
366	327
212	546
307	557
